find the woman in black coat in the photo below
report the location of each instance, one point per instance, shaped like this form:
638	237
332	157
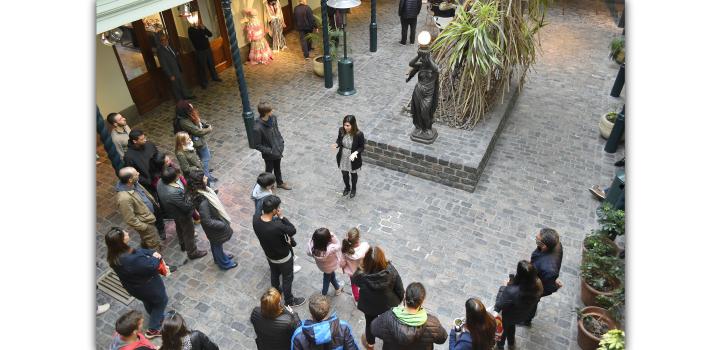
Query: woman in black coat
137	270
517	299
274	324
547	260
350	144
380	289
176	335
214	220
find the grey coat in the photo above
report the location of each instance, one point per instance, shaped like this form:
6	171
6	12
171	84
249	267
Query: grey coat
168	61
173	201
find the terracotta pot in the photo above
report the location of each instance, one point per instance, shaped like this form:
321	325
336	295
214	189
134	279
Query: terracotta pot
606	127
318	66
608	240
585	339
589	295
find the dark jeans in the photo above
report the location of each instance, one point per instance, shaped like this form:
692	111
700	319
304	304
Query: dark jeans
186	233
273	166
205	59
508	333
221	259
405	23
154	299
327	279
305	43
368	332
286	270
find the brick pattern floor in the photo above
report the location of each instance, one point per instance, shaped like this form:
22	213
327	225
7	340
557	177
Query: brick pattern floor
458	244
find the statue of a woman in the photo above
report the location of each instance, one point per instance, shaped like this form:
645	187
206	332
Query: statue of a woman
424	98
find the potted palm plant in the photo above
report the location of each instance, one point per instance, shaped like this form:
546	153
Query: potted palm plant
593	322
316	39
599	275
617	49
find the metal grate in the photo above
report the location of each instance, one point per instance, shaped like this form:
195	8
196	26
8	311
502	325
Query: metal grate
110	284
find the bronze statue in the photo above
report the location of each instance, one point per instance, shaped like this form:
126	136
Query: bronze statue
425	96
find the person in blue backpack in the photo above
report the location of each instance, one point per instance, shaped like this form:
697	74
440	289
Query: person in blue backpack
324	331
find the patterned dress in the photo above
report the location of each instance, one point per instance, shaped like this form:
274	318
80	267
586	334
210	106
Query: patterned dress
276	23
345	164
259	48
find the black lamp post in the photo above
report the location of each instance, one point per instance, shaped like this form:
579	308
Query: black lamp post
248	117
373	25
346	84
112	153
327	61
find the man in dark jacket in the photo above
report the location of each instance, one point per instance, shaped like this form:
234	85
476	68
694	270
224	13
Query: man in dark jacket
409	327
305	24
275	231
199	35
139	155
408	11
177	206
547	259
269	141
170	64
324	331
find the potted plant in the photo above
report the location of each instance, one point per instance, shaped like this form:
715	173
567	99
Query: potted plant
316	39
611	220
593	322
607	122
617	49
615	305
599	275
614	339
600	244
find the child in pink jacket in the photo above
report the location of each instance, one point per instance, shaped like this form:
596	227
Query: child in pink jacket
324	247
353	252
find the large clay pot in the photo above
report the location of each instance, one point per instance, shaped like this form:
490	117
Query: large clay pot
606	127
585	339
608	240
589	295
318	66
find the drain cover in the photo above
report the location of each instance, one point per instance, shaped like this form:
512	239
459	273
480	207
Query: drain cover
110	284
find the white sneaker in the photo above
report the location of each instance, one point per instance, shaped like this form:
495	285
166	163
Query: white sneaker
296	268
102	308
294	257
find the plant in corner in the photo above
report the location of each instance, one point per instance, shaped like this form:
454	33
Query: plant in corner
592	323
615	304
617	49
607	122
599	275
614	339
335	37
611	220
600	244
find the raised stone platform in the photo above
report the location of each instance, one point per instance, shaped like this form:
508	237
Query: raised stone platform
456	158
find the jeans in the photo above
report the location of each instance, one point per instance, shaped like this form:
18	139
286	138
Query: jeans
405	23
157	312
221	259
154	299
304	43
273	166
286	271
204	154
327	279
368	332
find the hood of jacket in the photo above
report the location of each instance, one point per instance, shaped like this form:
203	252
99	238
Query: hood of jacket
382	279
259	192
319	333
414	320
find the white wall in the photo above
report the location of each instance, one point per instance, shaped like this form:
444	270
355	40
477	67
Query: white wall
111	91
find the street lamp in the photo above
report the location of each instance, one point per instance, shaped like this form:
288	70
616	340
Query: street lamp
346	84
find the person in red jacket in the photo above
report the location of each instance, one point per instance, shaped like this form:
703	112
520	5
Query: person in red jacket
128	333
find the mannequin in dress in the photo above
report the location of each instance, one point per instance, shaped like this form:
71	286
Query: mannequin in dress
259	48
276	23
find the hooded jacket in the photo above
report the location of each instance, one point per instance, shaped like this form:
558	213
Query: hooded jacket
258	193
329	260
404	331
267	138
409	8
548	269
514	305
197	134
352	261
274	334
331	334
133	209
378	291
189	161
461	341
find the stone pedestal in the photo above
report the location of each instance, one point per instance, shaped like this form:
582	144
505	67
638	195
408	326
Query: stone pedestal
427	137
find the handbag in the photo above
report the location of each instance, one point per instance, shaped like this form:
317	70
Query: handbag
163	269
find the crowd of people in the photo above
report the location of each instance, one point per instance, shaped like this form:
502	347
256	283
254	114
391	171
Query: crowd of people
152	188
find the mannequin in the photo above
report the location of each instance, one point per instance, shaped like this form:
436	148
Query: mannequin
259	48
276	23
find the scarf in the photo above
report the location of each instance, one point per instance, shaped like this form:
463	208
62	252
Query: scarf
215	202
414	320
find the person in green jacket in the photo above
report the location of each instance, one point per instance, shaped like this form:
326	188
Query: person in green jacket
190	122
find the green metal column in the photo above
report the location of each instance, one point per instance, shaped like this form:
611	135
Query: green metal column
373	25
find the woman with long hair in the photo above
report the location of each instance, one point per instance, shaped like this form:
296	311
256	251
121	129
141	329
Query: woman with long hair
547	260
274	323
214	219
478	332
177	336
353	252
190	122
381	288
185	153
324	247
517	299
350	144
137	270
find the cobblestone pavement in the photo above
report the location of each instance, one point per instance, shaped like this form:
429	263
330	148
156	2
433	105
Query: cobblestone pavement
458	244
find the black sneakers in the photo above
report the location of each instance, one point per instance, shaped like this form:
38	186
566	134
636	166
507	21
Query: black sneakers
297	302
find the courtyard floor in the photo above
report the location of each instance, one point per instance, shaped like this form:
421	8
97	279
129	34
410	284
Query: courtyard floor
458	244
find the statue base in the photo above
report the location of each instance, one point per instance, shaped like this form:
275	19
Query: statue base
427	136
